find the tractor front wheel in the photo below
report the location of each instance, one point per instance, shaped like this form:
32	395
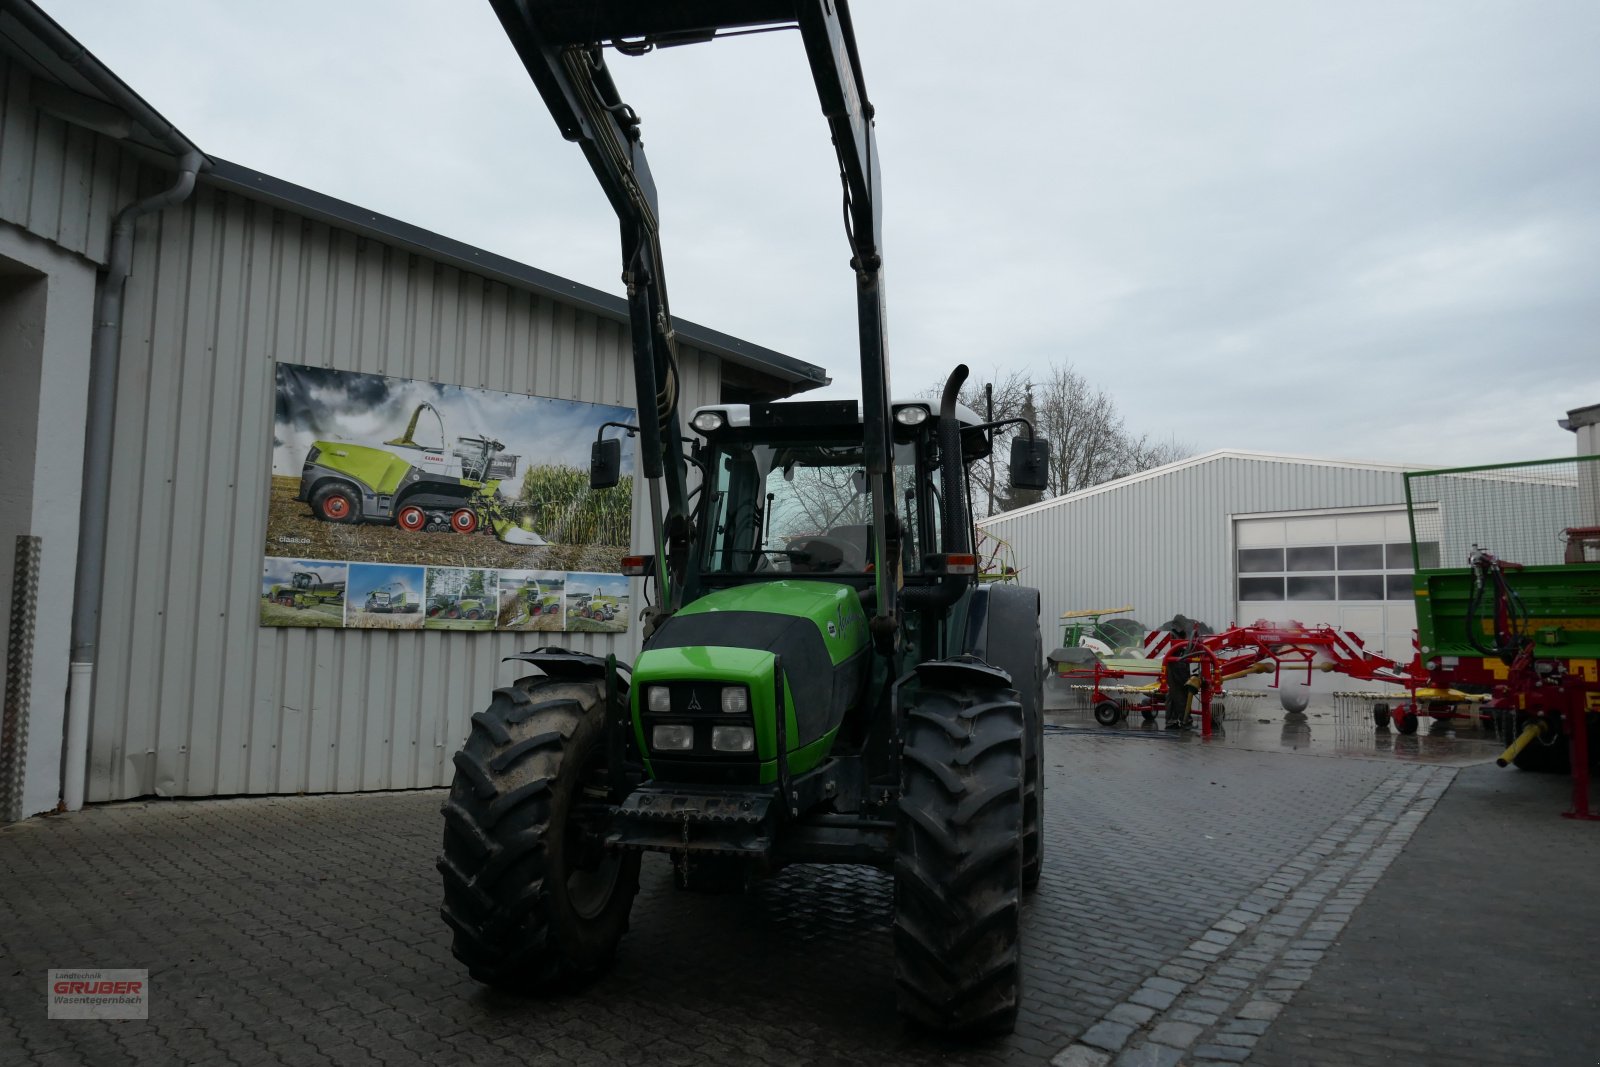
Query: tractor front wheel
336	503
958	861
533	898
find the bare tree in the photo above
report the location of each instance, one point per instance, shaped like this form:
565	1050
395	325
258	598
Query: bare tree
1089	442
1011	395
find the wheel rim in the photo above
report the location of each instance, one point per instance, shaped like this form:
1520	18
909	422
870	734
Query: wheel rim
412	518
589	889
465	520
336	506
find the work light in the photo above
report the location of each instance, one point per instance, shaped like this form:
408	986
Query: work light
732	738
707	421
673	737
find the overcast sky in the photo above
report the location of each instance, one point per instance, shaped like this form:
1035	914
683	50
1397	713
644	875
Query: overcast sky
1344	229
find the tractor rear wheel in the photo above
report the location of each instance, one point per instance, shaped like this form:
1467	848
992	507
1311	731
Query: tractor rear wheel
958	861
533	898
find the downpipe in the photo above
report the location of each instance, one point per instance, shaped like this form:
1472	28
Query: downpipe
104	359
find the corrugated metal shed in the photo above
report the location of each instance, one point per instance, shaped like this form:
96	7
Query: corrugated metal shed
193	698
58	181
1163	540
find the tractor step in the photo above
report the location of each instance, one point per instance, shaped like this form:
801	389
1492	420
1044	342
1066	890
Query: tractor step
726	823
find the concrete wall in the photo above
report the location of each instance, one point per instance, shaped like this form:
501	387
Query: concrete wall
46	312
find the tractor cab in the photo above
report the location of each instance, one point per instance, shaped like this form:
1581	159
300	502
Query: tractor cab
785	491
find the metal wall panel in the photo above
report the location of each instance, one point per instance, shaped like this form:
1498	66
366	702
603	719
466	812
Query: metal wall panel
192	696
1164	543
57	180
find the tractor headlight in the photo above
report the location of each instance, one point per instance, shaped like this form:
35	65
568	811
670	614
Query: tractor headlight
674	737
657	698
708	421
911	415
732	738
735	700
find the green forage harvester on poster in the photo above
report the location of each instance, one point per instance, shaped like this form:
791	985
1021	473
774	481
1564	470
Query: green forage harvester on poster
433	502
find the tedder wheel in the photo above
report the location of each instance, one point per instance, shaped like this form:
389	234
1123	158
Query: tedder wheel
533	898
411	518
1407	722
958	861
463	520
1380	716
336	503
1107	713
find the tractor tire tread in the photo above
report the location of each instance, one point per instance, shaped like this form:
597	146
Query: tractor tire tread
504	832
958	868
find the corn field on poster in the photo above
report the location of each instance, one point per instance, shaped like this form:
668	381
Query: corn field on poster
405	504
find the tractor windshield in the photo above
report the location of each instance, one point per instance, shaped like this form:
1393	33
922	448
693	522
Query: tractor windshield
780	509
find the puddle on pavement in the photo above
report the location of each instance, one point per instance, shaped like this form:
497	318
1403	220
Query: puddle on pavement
1259	724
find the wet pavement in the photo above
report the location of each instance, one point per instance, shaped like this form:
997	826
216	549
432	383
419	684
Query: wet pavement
1329	726
1198	900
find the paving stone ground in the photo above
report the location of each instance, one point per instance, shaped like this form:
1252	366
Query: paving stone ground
306	930
1481	945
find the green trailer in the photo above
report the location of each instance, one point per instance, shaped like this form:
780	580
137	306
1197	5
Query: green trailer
1507	589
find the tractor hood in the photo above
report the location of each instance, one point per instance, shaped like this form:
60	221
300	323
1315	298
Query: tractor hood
815	629
832	610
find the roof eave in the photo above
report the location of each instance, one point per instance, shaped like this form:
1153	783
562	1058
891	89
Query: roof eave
233	177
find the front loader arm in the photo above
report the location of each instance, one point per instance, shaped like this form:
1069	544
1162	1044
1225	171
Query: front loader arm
561	44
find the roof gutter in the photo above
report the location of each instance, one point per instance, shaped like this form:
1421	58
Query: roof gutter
104	357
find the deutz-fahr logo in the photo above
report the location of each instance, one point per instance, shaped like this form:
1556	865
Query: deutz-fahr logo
840	624
694	702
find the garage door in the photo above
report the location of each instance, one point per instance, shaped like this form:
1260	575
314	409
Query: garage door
1347	570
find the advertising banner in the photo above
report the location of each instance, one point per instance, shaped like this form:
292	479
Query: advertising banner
407	505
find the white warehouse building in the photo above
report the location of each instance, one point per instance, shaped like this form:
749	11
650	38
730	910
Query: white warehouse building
1228	536
1234	536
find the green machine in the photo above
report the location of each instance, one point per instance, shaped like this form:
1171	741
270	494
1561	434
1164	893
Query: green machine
1507	591
392	599
415	487
307	590
823	679
447	606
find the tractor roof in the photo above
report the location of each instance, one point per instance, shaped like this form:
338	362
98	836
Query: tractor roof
738	415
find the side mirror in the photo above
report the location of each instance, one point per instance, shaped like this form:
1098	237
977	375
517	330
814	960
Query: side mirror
1030	463
605	463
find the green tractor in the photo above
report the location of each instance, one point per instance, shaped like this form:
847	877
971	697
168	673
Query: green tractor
392	599
415	487
823	677
307	590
